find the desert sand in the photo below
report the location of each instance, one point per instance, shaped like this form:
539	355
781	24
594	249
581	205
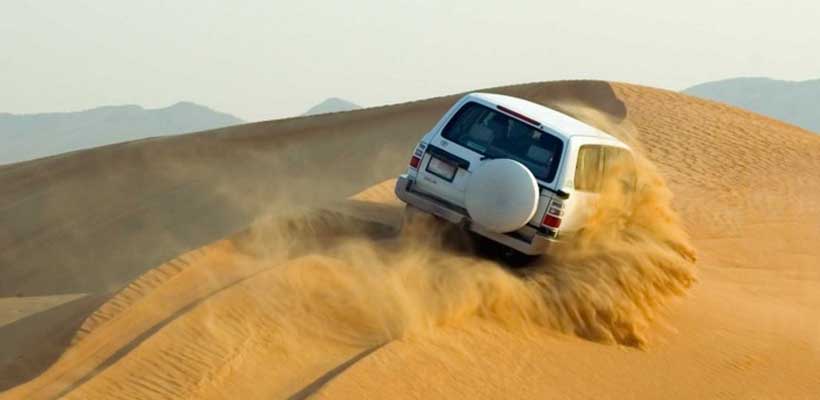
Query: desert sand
266	261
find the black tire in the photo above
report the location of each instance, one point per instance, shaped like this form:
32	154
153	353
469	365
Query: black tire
493	250
409	214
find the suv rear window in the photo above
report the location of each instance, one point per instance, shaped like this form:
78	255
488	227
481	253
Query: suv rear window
495	135
597	162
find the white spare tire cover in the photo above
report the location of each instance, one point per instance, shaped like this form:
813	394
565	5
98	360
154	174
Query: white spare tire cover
501	195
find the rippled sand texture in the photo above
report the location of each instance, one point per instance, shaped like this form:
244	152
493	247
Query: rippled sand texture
289	278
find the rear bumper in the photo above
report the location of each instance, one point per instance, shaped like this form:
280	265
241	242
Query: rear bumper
527	240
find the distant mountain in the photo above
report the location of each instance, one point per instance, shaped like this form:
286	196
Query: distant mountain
333	104
797	103
29	136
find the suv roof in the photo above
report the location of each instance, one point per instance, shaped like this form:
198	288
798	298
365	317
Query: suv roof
555	121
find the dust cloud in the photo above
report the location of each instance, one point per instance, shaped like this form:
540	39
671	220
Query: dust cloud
357	285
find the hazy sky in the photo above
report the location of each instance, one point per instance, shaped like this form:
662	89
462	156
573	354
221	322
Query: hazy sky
261	59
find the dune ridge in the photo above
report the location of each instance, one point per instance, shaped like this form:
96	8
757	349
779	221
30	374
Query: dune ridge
325	300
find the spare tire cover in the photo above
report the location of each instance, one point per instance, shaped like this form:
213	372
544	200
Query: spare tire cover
501	195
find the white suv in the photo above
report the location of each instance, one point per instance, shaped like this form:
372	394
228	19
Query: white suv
513	171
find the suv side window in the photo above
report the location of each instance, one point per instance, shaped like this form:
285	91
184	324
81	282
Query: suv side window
596	162
588	169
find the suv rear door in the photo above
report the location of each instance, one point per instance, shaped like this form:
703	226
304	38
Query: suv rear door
476	132
446	165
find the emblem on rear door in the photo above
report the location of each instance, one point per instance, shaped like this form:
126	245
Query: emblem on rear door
443	143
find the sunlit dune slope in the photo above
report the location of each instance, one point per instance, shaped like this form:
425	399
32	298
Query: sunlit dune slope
322	298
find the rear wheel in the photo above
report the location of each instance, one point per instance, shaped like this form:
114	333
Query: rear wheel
420	225
496	251
409	215
415	221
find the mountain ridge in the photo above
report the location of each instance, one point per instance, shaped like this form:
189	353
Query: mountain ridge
789	101
35	135
331	105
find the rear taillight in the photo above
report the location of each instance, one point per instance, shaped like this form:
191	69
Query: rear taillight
552	217
414	162
551	221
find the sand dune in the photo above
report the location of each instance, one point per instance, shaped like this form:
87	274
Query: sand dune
296	282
